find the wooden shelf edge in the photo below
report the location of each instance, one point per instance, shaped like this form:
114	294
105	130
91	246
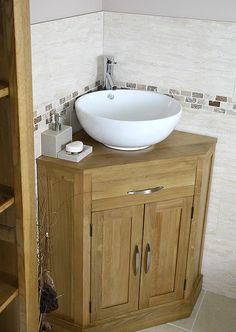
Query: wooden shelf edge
8	293
6	198
4	90
9	202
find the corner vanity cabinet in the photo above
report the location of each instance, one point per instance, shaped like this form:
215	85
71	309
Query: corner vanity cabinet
126	232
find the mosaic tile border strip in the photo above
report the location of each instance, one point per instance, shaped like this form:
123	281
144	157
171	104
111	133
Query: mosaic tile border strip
190	100
43	116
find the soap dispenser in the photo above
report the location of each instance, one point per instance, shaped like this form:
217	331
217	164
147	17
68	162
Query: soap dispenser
56	137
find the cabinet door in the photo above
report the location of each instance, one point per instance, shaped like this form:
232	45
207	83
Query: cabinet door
116	260
165	244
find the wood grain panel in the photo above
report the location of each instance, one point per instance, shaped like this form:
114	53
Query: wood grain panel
116	238
65	211
56	211
130	200
4	65
115	287
166	231
118	180
6	157
165	248
198	225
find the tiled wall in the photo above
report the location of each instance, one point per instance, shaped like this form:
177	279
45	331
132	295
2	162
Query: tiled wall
195	62
66	60
193	55
219	259
43	117
189	99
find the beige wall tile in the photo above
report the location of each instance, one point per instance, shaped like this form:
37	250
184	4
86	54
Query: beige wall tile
219	259
65	56
172	52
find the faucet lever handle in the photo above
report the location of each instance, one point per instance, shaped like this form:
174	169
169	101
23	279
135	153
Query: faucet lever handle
111	61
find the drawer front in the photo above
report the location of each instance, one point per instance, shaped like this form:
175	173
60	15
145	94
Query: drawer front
125	182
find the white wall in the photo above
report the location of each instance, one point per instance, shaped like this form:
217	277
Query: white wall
47	10
224	10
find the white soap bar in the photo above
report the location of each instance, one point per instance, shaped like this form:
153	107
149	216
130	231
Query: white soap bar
75	157
75	147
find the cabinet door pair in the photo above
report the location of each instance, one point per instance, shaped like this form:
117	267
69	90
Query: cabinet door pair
139	256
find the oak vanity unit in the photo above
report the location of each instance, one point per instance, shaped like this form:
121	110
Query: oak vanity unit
124	257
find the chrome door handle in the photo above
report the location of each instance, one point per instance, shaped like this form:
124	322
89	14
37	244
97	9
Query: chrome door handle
137	260
148	258
147	191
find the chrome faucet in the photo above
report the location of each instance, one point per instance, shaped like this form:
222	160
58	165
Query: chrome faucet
109	63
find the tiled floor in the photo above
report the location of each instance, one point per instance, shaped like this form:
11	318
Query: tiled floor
212	313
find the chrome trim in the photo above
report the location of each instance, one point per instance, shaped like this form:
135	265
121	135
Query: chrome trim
137	260
148	258
147	191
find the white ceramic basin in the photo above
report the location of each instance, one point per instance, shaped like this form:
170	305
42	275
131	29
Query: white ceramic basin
128	119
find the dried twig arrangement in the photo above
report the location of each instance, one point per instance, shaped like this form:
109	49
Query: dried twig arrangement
47	293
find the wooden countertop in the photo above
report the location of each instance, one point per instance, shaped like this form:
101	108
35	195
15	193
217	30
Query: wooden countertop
179	145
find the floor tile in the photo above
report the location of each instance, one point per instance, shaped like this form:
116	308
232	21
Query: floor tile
187	323
217	314
164	328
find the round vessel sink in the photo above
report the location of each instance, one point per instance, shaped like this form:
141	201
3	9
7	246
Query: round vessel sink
128	119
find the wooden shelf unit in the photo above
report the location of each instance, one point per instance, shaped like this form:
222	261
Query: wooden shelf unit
18	259
4	90
8	292
6	198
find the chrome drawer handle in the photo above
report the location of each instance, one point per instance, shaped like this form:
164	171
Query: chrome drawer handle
145	191
137	260
148	258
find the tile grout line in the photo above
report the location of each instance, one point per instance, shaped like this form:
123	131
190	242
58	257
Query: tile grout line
179	327
199	308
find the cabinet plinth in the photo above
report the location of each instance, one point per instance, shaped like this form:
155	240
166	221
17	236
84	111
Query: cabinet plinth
126	262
